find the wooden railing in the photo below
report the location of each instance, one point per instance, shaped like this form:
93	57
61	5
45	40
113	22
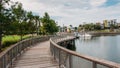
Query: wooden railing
8	56
71	59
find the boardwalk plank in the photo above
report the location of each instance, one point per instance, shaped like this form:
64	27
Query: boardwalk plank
37	57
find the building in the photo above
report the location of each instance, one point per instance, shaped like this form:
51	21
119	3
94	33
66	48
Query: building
62	29
98	23
105	22
70	28
108	23
112	22
118	25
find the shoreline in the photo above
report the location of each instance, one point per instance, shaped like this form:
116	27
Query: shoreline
104	33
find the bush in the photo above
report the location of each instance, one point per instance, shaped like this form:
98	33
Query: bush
12	39
8	43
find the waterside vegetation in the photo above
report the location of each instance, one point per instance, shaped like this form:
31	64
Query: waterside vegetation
15	21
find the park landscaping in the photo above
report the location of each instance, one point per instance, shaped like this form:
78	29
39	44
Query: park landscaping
15	22
12	39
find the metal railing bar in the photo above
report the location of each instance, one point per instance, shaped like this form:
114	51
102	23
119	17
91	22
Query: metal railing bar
8	56
92	59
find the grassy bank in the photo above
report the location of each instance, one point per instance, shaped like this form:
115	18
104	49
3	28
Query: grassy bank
12	39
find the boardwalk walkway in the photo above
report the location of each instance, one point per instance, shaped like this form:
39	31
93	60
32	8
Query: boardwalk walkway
36	57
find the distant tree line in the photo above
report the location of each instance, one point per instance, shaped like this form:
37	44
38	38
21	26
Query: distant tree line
92	27
15	20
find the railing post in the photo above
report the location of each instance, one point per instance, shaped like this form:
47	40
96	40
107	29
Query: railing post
70	61
0	63
94	65
59	58
10	58
4	61
54	52
12	54
15	52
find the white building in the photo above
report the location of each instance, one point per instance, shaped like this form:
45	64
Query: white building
108	23
112	22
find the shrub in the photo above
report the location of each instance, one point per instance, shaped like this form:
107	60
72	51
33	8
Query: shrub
11	39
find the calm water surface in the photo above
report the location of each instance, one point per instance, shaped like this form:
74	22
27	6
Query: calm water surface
105	47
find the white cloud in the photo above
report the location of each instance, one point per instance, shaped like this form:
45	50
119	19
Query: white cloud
96	3
73	12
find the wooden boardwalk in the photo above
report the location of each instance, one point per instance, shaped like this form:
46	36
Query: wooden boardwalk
37	56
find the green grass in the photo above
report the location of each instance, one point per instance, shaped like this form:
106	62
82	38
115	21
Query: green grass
106	30
11	39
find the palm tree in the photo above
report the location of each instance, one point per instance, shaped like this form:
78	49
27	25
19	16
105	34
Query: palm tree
31	24
37	22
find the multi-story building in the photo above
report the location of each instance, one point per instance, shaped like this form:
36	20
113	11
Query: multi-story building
112	22
108	23
105	22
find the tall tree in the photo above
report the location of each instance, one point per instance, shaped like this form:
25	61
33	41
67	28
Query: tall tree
1	22
49	25
37	22
4	18
20	15
46	21
31	23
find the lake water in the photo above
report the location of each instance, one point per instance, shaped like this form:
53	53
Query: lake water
105	47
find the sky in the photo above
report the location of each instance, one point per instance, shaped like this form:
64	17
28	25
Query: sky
75	12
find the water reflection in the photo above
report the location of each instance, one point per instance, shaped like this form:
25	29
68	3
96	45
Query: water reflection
71	46
105	47
68	44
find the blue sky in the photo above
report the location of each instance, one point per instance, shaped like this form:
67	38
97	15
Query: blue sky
75	12
111	3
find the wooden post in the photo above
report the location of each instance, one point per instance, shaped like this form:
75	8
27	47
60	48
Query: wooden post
0	40
1	27
10	52
59	58
70	61
94	65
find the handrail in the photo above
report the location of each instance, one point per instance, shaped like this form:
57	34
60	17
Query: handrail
56	48
8	56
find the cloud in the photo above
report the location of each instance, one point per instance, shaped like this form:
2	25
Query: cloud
96	3
73	12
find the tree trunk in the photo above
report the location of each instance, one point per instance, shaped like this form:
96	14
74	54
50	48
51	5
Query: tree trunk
38	27
21	33
0	40
0	31
0	1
